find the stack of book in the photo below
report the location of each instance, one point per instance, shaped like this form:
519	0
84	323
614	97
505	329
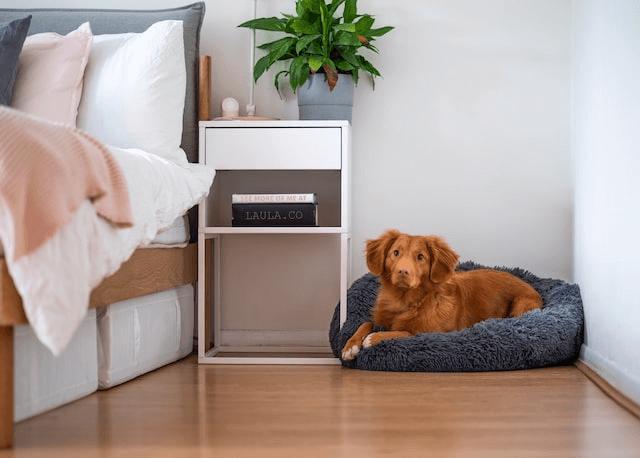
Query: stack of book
270	210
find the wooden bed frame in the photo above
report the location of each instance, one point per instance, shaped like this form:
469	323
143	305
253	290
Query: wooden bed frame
149	270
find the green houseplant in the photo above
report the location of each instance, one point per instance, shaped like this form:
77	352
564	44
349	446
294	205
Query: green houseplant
322	43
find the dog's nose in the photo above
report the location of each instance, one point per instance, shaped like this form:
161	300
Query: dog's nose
403	272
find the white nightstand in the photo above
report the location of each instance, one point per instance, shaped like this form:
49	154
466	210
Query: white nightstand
279	157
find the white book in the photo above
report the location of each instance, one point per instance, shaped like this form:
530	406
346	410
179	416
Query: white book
274	198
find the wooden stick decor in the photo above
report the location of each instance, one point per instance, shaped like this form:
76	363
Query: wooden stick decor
204	89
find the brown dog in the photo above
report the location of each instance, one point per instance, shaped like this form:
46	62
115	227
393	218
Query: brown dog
421	292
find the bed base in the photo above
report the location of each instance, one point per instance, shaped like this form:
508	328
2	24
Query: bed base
149	270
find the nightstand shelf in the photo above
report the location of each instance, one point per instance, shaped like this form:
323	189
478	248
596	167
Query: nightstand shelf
272	157
273	230
270	355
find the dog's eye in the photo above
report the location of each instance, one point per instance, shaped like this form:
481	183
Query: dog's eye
420	257
396	253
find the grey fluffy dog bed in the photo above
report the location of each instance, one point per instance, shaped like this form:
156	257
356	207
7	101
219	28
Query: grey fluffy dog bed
545	337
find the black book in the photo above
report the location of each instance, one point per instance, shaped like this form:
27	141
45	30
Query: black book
270	215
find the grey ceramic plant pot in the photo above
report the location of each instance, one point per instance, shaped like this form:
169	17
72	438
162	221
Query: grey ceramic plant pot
316	101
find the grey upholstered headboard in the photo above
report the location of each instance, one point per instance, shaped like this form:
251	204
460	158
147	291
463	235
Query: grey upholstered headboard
106	21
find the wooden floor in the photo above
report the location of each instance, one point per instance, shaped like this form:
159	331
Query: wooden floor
305	411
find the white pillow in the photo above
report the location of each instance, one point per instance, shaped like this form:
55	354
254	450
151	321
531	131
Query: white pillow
134	90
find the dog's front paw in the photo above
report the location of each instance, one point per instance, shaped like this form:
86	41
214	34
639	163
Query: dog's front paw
370	340
350	351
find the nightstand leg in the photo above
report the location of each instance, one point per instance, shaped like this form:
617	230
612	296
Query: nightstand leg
205	291
202	339
344	268
208	290
217	286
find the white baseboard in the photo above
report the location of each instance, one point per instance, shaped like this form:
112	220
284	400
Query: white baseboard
621	380
252	337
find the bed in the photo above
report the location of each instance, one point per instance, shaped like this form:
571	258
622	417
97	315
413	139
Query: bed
148	270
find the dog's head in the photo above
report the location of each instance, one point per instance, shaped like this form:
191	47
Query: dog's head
409	261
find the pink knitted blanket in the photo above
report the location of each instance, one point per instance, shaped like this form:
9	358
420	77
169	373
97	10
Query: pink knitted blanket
46	171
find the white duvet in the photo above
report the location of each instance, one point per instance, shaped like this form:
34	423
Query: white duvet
55	280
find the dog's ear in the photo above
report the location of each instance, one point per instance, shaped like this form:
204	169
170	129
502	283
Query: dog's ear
443	259
377	250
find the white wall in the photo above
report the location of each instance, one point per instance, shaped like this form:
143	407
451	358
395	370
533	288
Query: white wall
466	136
606	156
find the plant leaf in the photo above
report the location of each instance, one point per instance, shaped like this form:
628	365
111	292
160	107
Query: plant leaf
314	48
334	6
281	49
305	27
372	48
301	71
300	8
346	39
344	66
292	75
312	5
349	55
304	41
379	32
304	75
315	62
350	10
350	27
266	23
325	21
363	25
330	63
368	66
298	72
354	75
272	44
276	80
260	67
331	72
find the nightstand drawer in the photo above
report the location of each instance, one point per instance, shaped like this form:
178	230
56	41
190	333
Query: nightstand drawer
277	148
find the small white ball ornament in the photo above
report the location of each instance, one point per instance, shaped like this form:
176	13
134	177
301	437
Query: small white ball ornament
230	108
